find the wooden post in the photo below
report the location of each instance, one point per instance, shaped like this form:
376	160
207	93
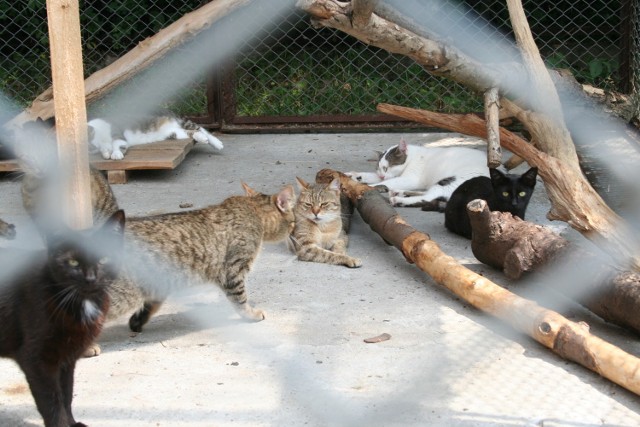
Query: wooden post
71	115
492	119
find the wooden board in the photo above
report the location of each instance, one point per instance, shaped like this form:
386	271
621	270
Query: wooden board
157	155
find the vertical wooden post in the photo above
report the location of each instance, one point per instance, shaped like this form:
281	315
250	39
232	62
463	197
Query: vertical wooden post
70	110
492	120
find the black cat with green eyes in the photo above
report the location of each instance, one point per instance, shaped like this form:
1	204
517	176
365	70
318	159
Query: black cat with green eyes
503	192
52	307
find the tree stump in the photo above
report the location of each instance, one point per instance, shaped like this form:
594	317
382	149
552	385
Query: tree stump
509	243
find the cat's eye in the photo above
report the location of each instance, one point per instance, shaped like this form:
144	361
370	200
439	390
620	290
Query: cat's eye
384	169
522	193
73	263
103	260
505	193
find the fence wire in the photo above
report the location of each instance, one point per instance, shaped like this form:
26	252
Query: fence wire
297	70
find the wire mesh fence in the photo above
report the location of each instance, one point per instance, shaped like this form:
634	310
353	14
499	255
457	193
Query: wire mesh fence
294	69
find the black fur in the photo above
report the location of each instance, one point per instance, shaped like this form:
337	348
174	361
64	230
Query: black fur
503	192
53	307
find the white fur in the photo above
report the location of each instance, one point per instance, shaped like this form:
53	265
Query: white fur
115	149
423	169
91	310
102	140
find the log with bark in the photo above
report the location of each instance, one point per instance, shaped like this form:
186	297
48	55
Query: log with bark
518	247
566	338
506	242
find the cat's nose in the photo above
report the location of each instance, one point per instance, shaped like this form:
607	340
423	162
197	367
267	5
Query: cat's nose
90	275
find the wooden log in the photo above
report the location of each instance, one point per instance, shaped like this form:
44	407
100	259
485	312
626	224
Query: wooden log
508	243
145	54
566	338
516	247
492	119
68	90
573	200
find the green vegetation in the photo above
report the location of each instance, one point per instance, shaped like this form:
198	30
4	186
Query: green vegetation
311	83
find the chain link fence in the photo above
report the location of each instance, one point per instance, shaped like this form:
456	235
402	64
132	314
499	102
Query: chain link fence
296	70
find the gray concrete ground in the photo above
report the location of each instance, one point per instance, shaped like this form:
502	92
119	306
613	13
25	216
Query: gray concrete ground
446	364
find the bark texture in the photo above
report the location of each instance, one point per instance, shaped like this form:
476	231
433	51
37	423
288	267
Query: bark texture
509	243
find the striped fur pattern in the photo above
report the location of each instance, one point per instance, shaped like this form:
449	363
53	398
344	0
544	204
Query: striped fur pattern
112	143
318	235
41	181
217	244
40	198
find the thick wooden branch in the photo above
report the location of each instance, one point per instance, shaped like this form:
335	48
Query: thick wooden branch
566	338
492	119
136	60
509	243
435	56
516	247
573	200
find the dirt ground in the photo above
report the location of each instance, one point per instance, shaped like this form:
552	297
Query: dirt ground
446	364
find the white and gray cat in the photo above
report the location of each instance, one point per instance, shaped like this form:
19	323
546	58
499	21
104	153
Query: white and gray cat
112	143
419	176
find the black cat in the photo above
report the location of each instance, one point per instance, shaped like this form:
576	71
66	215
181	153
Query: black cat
52	307
503	192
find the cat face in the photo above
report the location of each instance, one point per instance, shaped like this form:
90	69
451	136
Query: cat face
513	192
83	262
393	161
319	203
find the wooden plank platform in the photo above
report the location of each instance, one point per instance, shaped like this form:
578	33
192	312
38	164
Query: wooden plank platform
157	155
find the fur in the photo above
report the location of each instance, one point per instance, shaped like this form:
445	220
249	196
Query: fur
418	176
502	192
113	144
319	234
53	307
223	242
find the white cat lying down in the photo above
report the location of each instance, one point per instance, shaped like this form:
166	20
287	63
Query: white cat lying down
113	145
419	176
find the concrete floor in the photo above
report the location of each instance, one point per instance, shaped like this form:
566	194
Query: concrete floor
446	364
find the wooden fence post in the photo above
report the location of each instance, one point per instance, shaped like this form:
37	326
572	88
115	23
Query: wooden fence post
71	115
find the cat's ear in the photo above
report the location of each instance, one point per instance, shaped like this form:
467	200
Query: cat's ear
379	154
115	223
529	177
334	185
248	190
496	175
402	146
286	198
302	183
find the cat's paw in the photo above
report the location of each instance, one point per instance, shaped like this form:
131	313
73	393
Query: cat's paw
106	154
354	263
251	314
215	142
92	351
117	155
